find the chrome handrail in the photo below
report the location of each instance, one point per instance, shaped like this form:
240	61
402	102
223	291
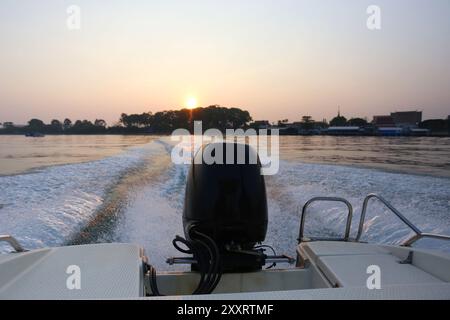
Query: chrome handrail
388	205
12	242
334	199
415	238
418	234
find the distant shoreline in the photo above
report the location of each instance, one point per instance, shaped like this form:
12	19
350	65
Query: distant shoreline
431	135
90	134
398	124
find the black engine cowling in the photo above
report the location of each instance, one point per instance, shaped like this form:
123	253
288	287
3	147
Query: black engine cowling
227	201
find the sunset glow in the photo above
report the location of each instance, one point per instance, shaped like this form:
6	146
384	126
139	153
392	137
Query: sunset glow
191	103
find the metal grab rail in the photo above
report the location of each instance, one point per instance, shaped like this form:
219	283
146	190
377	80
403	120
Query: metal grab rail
418	234
334	199
415	238
12	242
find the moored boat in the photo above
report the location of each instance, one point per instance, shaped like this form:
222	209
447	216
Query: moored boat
34	134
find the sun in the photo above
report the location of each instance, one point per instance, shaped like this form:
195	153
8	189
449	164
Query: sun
191	103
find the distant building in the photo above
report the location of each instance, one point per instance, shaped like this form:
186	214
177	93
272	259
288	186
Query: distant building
383	121
403	119
435	126
390	131
308	126
343	131
407	119
418	132
339	120
8	124
260	124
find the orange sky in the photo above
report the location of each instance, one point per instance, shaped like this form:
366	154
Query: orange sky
277	59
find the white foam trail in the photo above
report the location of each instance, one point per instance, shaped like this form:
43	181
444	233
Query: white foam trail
154	215
46	207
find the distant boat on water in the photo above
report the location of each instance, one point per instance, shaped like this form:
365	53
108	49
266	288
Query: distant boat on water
34	134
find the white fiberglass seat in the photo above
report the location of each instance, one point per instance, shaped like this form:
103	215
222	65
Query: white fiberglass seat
106	271
346	264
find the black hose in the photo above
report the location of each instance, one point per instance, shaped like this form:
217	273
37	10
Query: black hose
196	255
215	262
183	241
152	275
205	252
205	266
212	257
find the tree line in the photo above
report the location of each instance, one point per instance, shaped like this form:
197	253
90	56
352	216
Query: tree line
163	122
307	123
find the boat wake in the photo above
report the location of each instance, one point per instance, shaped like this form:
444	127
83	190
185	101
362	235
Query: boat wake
51	205
138	196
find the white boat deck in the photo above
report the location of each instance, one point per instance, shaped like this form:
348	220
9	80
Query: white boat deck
330	270
403	292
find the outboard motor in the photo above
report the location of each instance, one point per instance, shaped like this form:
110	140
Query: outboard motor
226	201
224	218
